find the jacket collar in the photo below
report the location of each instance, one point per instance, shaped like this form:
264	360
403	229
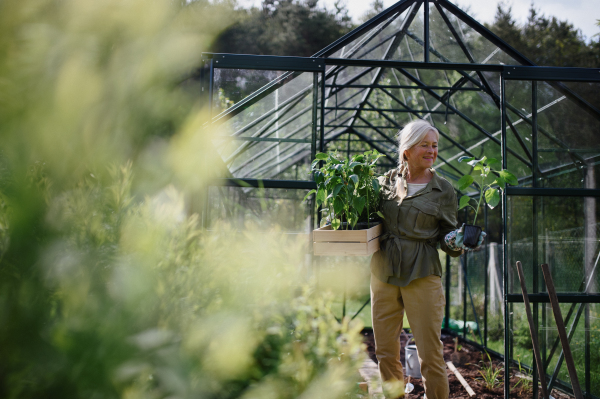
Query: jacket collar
434	183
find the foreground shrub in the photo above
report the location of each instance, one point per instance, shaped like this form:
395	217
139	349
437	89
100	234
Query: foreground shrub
109	287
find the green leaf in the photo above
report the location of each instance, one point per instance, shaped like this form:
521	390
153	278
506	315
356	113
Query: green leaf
380	215
338	205
336	190
335	224
319	177
492	197
354	178
334	160
465	182
476	161
464	201
509	177
376	186
309	194
500	182
359	204
334	180
465	159
321	196
492	161
353	165
321	156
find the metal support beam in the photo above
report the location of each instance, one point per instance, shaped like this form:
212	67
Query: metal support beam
463	116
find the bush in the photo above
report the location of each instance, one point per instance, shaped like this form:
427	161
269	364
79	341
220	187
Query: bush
109	287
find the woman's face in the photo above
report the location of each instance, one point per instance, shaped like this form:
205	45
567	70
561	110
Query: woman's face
424	154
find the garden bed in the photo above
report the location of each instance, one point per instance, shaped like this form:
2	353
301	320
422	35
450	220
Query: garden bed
469	368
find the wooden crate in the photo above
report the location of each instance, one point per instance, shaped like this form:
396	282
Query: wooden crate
327	241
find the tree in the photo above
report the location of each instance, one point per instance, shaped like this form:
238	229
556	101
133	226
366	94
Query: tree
545	40
375	8
285	27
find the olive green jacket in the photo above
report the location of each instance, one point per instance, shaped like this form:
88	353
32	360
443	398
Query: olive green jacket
412	228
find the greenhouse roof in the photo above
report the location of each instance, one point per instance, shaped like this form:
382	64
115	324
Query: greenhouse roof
417	59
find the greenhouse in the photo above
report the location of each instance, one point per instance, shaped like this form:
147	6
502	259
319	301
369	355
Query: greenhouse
430	60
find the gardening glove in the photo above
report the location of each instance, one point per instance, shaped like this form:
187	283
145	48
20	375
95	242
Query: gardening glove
454	240
481	239
451	240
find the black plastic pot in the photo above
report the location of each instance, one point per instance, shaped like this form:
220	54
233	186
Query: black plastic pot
471	235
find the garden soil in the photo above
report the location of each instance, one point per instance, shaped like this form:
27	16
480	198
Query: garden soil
468	361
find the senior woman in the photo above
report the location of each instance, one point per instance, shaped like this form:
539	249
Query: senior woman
419	209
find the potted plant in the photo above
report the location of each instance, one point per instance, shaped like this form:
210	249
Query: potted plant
348	192
491	194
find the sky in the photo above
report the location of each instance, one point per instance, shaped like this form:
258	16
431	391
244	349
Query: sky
583	14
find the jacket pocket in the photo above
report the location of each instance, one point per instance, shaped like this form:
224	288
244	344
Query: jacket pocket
426	221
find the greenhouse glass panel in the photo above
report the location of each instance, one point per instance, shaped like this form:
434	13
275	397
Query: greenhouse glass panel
265	137
262	208
567	127
373	41
443	43
568	135
566	239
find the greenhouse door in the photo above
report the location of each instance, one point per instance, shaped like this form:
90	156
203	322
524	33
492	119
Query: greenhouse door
551	117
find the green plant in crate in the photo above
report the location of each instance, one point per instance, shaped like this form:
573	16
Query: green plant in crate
347	188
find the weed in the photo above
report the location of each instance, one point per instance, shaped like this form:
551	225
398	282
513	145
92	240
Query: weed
489	374
525	380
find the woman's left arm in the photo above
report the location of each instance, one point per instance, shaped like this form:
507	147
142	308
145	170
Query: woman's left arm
448	221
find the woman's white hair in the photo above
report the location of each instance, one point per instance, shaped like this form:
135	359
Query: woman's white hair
410	136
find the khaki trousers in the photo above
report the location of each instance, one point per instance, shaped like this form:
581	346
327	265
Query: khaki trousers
423	300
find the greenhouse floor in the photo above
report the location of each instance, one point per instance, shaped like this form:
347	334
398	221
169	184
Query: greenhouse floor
468	361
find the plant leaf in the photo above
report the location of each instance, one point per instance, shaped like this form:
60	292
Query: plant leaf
309	194
465	182
321	156
334	180
509	177
334	160
492	161
338	205
359	204
499	181
354	178
380	215
492	197
464	201
321	196
476	161
319	177
336	190
465	159
335	224
376	186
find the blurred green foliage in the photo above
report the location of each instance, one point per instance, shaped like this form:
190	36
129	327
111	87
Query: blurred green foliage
109	287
